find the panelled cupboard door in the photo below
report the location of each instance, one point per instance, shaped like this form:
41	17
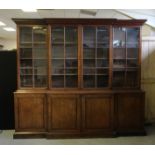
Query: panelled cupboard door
130	112
64	113
30	112
97	112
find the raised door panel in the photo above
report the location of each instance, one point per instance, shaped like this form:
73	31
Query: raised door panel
97	112
130	112
64	112
30	112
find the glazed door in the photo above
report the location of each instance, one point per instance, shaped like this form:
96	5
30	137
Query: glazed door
95	57
126	57
64	57
33	49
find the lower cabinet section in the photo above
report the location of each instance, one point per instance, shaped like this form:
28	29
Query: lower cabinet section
130	113
63	115
78	115
97	114
30	114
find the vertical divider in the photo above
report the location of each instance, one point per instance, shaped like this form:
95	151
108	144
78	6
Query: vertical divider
49	55
125	80
110	56
95	56
80	57
33	81
18	58
64	56
139	57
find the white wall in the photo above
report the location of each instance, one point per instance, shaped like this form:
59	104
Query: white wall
148	31
8	44
148	76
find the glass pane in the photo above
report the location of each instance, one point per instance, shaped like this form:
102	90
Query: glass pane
26	80
40	67
39	33
103	53
71	35
102	81
102	63
58	81
102	37
89	71
57	71
58	51
58	63
26	71
102	71
71	81
57	35
132	37
25	34
40	81
119	63
71	51
89	53
71	63
89	81
132	63
40	53
119	53
26	45
72	71
118	78
119	37
89	37
26	53
132	79
89	62
132	52
26	63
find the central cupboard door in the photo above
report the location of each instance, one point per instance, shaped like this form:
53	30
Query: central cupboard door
64	113
97	113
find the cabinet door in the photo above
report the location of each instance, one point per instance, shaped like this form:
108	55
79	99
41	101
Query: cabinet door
30	112
64	60
64	113
32	55
95	56
130	112
126	52
97	113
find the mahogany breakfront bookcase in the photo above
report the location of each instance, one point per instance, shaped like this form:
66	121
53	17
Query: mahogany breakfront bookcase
78	78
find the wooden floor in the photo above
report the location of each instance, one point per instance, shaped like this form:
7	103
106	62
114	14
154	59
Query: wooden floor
6	138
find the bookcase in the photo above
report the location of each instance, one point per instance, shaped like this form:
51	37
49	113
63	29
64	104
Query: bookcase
78	78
